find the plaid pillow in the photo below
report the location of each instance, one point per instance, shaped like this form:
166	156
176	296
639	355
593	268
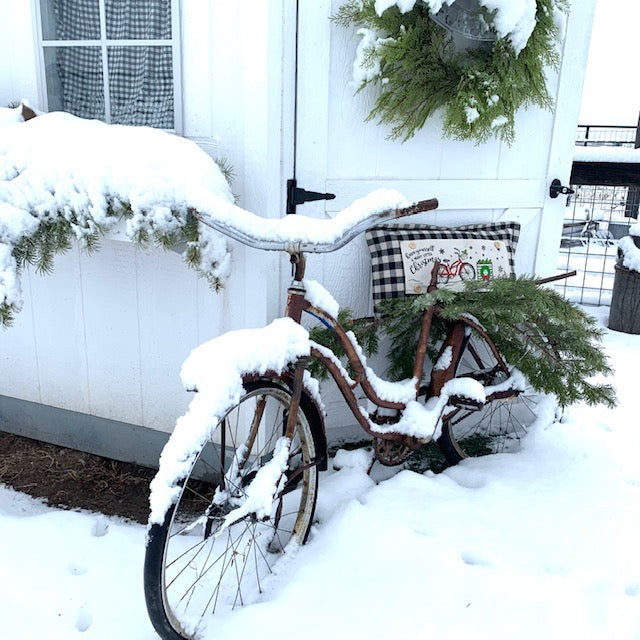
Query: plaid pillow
388	268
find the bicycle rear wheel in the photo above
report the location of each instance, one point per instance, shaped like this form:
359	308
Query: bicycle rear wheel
195	566
499	426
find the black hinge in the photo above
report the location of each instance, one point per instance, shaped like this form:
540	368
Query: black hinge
296	196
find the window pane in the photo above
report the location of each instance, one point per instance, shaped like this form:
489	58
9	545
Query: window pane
138	19
141	86
74	80
70	19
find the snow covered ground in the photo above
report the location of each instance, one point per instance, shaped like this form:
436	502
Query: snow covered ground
541	544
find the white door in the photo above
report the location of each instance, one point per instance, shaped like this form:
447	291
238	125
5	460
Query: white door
338	152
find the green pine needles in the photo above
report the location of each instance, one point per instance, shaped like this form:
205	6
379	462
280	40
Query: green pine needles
550	340
57	230
419	70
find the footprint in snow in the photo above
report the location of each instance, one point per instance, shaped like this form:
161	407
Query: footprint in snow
556	570
633	589
77	568
475	559
84	619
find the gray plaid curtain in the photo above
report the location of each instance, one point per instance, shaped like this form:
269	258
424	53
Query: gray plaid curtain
140	77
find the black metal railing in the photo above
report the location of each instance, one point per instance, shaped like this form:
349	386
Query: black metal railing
606	135
594	222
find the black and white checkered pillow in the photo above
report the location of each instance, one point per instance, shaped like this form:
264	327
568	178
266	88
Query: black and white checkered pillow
387	269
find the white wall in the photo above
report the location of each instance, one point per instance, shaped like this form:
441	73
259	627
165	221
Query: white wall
106	334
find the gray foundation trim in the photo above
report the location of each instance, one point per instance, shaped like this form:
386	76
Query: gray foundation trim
100	436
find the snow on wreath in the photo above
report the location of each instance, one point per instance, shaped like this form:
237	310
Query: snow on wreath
479	60
63	177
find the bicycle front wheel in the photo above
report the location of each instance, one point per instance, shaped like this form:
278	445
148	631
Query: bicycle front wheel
501	424
197	566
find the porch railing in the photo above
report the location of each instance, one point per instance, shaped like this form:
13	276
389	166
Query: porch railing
589	135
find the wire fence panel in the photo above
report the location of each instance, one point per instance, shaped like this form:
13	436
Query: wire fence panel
597	216
596	219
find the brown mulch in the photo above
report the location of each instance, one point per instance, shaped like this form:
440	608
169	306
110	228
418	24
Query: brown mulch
74	480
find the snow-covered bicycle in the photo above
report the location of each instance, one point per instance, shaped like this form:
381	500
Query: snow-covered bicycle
237	484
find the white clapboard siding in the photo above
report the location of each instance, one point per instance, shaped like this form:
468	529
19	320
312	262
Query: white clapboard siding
105	334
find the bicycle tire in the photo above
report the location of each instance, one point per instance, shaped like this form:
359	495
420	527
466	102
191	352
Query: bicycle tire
467	272
190	574
443	275
499	426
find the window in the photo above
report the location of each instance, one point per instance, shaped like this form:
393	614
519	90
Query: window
114	60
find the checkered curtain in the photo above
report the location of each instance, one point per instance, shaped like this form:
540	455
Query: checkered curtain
140	77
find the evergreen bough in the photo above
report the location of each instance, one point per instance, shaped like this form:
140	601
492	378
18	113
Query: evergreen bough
421	71
58	229
550	340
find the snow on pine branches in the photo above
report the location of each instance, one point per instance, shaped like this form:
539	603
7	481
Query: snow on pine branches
64	178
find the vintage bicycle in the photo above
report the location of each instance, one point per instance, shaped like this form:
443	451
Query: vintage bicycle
237	484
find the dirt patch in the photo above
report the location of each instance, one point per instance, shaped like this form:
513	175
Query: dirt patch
74	480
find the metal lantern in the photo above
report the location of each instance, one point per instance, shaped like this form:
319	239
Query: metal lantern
466	18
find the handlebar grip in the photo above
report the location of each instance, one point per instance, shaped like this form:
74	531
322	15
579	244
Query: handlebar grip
417	207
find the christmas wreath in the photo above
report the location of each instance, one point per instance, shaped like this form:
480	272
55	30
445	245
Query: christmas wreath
420	68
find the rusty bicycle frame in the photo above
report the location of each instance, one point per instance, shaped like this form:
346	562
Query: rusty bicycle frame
457	339
246	479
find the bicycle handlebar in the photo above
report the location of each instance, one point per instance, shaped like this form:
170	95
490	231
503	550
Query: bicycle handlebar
295	234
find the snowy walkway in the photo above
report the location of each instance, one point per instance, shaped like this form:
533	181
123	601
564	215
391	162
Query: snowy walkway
541	544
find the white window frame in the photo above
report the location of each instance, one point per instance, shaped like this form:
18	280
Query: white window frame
103	43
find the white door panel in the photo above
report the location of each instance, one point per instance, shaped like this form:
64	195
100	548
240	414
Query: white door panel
338	152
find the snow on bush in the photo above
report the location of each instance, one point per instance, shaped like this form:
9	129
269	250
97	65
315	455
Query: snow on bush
63	177
10	116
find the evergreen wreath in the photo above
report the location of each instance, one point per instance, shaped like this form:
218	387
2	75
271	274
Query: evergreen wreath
550	340
417	66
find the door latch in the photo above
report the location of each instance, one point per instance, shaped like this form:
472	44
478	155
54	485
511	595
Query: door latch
558	188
